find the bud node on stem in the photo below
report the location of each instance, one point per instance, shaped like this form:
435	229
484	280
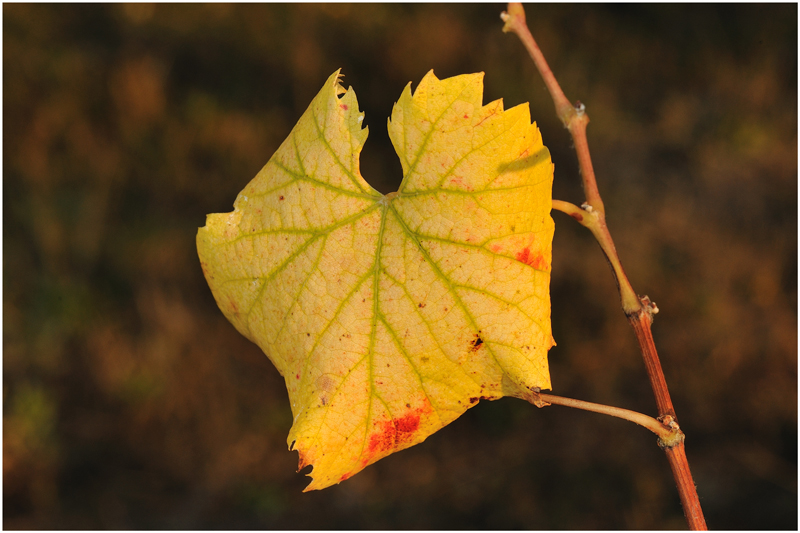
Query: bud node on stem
673	439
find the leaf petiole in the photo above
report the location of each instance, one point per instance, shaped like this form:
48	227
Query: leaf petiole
668	432
595	221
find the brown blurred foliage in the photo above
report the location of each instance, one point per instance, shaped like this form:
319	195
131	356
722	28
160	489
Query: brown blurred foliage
129	401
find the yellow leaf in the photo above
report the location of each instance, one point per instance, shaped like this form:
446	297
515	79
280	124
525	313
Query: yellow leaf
389	316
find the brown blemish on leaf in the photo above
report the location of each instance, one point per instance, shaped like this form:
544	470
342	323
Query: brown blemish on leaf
301	463
477	342
475	399
325	383
280	197
421	305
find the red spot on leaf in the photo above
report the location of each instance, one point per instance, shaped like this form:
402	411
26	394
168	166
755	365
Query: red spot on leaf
381	441
466	116
344	476
344	106
297	376
537	261
395	434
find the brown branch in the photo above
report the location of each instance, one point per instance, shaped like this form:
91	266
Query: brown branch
641	321
639	311
679	464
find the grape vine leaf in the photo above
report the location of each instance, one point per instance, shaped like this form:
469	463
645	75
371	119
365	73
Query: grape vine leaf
389	316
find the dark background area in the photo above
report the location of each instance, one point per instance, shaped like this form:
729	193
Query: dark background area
130	402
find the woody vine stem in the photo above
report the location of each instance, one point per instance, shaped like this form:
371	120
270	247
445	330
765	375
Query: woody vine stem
639	311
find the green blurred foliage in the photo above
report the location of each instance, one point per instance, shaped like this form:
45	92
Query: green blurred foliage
130	402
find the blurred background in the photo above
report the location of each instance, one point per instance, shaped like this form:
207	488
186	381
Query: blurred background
130	402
